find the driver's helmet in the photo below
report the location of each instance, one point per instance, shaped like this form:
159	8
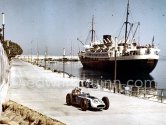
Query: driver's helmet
76	91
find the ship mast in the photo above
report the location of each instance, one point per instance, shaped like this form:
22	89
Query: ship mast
92	31
126	23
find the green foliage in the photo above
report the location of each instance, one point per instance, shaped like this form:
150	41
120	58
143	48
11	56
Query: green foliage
12	49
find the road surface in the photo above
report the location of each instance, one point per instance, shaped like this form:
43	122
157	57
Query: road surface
45	91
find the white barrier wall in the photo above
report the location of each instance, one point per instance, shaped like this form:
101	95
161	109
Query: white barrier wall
4	76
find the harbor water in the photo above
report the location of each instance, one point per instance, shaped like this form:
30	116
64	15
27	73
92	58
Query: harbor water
157	77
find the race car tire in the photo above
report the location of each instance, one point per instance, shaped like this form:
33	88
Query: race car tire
106	102
84	104
69	99
84	84
80	84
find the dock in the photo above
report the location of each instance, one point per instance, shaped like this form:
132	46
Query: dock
45	91
34	58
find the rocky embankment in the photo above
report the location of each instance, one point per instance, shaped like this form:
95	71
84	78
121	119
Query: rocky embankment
16	114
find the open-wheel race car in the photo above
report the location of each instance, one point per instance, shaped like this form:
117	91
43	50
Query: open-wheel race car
86	101
88	84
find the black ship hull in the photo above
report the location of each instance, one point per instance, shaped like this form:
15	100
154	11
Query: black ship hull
134	66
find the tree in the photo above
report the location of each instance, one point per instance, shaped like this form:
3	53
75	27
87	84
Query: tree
12	49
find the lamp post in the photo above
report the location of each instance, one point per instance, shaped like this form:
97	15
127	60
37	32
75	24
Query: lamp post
37	55
31	51
3	26
63	62
115	66
3	34
115	61
45	59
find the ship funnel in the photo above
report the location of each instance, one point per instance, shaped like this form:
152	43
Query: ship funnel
107	38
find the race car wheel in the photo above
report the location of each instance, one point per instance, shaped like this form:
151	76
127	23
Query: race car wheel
106	102
84	84
80	84
84	104
68	99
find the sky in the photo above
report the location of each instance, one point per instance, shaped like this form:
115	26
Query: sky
56	24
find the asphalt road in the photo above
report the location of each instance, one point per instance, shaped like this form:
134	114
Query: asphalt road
45	91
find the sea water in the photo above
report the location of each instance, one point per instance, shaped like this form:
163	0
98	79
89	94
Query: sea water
75	69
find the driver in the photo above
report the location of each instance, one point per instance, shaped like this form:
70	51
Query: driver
76	91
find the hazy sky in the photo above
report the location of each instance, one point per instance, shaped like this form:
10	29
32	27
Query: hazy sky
57	23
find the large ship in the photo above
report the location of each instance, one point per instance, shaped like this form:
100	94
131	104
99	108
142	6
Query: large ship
125	55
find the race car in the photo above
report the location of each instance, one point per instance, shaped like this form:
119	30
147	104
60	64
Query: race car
86	101
88	84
